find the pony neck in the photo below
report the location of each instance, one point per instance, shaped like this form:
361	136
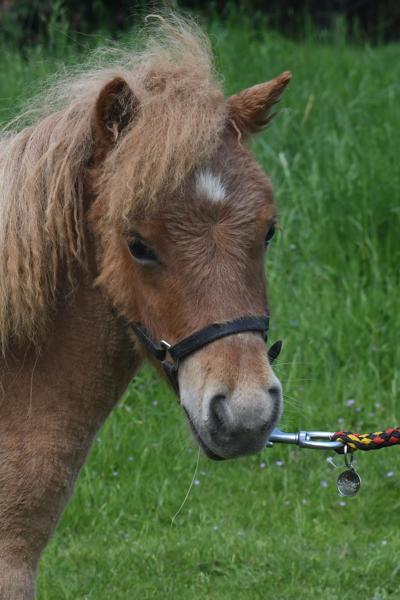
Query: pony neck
52	404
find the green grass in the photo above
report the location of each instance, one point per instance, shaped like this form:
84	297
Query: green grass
279	531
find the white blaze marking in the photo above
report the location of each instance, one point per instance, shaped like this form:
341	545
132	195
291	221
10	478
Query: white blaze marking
210	186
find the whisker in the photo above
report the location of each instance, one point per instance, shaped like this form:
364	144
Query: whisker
189	490
296	363
292	401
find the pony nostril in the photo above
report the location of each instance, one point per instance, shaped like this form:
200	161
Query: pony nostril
218	410
275	393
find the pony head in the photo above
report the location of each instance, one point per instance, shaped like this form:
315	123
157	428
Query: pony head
183	216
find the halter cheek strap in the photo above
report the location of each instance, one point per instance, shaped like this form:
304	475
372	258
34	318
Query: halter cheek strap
198	340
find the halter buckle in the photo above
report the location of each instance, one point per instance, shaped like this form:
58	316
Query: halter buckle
165	345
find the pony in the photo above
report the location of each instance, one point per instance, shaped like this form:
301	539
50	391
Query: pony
129	195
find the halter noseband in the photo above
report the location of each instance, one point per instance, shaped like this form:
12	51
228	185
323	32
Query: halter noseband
198	340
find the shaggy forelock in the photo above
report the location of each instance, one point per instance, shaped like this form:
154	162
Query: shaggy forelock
42	168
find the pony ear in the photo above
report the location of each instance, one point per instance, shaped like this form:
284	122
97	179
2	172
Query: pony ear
250	109
116	106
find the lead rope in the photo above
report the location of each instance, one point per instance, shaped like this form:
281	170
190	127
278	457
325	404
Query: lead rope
368	441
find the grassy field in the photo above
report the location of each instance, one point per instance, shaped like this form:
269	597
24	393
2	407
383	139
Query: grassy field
272	525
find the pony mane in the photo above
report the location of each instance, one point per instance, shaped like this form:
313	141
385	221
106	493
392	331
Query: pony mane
42	167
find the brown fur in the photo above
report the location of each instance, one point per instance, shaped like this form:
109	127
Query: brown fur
114	154
51	407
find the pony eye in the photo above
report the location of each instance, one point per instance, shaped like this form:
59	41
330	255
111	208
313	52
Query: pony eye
270	235
141	251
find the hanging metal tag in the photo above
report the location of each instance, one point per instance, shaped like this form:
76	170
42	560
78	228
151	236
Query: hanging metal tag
349	482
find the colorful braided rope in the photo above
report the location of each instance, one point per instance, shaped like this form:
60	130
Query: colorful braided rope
369	441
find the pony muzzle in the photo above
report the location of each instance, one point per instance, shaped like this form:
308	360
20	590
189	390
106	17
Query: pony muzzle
231	419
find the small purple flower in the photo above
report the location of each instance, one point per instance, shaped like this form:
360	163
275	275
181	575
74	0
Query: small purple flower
115	473
280	463
390	474
342	503
196	482
324	483
262	465
305	501
215	528
350	402
130	458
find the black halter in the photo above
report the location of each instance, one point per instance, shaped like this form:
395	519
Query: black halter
198	340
